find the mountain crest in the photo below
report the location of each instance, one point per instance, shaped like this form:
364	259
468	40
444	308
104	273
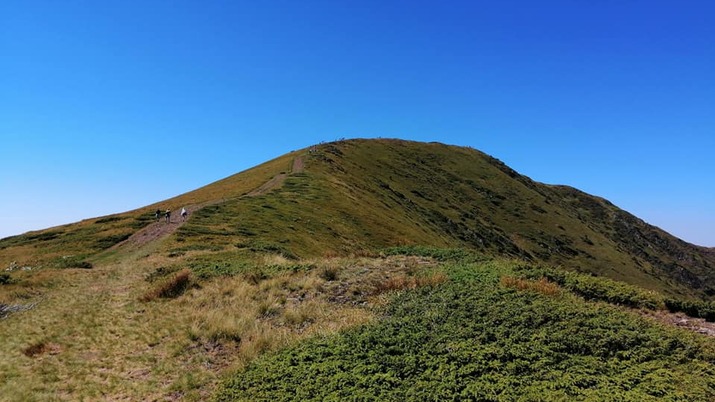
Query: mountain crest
355	195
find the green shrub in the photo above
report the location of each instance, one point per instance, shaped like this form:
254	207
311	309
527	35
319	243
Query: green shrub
108	241
72	262
693	308
597	288
439	254
329	273
5	279
205	269
475	340
259	246
44	236
142	221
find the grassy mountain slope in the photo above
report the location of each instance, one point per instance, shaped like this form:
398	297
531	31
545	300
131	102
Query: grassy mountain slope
88	314
368	194
68	245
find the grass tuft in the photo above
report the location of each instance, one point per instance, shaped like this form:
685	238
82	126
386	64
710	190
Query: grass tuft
37	349
404	282
5	279
329	273
171	288
542	285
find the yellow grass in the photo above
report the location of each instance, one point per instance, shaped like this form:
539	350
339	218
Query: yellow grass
90	337
543	285
410	282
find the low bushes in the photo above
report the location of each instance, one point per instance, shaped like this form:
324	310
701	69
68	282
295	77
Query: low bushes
596	288
608	290
439	254
693	308
471	339
73	262
106	242
5	279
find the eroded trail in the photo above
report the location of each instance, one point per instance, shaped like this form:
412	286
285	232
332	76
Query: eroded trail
95	338
161	228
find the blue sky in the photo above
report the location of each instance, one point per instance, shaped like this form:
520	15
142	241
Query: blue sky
106	106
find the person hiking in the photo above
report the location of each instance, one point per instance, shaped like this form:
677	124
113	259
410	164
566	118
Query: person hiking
168	215
157	215
183	214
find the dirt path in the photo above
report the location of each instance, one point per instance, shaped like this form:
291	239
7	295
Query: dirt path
297	165
681	320
278	180
162	228
158	229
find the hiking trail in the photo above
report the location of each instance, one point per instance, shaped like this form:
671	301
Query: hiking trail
161	228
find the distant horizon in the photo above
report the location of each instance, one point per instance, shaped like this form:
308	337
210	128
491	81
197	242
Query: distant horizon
107	107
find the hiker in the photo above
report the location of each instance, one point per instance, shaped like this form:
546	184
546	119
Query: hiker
168	215
157	215
183	214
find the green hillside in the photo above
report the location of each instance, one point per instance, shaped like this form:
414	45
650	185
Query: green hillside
487	336
369	194
298	268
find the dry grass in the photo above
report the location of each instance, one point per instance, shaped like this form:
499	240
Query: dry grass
266	315
543	285
35	349
273	259
404	282
91	338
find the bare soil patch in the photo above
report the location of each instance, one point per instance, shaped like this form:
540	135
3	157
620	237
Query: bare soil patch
681	320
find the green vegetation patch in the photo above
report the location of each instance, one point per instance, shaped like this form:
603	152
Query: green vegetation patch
472	339
439	254
694	308
83	238
109	219
207	268
259	246
106	242
72	262
179	251
597	288
30	238
6	279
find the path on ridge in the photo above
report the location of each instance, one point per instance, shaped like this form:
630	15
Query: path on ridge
161	228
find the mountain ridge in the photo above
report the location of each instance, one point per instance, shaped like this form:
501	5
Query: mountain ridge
422	258
361	194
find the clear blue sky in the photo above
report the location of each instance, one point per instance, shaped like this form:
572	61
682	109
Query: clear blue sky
106	106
